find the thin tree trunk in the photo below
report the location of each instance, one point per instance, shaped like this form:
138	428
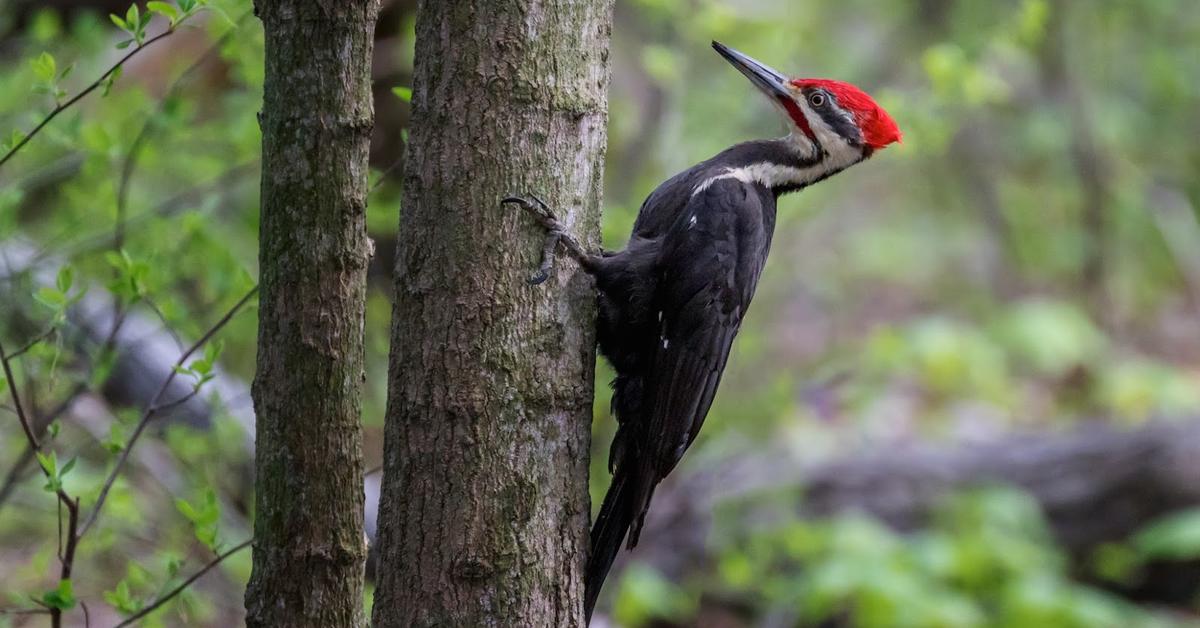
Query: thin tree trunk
484	513
316	120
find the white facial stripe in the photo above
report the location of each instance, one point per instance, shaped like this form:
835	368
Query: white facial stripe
839	153
839	156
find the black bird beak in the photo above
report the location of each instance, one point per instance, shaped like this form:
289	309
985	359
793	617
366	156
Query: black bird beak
769	81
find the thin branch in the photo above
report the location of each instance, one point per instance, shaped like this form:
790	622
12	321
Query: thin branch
72	505
77	97
46	333
139	141
383	175
167	597
60	246
153	408
39	427
16	399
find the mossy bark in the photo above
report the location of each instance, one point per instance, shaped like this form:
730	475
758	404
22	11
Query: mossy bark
484	514
316	120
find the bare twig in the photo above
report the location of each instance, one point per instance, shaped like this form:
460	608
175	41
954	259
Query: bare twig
139	141
46	333
16	400
154	407
39	426
77	97
168	596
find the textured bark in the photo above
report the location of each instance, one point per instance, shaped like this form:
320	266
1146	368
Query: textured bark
316	120
484	513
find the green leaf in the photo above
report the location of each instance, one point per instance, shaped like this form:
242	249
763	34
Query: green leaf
120	599
62	598
185	507
166	10
49	462
204	518
403	93
44	67
110	79
116	19
116	438
212	351
1175	537
51	298
66	468
66	277
133	18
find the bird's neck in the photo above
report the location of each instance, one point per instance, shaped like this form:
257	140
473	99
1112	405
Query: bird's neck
782	165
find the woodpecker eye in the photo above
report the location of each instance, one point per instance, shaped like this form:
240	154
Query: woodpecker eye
816	100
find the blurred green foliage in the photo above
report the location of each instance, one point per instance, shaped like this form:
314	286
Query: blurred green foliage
986	559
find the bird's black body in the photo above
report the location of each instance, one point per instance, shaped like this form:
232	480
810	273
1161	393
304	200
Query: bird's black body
671	302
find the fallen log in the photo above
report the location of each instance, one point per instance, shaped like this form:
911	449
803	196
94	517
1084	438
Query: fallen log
1094	484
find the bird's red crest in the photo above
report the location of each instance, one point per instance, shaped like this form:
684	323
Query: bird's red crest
878	128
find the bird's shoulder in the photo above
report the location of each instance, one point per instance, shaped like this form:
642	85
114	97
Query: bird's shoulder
702	191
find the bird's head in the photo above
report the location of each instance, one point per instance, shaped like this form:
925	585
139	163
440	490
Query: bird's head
829	116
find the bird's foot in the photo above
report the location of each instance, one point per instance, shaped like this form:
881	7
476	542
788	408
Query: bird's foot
556	232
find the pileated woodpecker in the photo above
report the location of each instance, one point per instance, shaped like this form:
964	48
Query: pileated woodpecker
671	303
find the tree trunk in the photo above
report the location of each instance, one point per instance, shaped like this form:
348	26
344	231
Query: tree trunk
316	121
484	512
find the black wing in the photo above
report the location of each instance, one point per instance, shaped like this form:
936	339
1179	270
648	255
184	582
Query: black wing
709	268
705	273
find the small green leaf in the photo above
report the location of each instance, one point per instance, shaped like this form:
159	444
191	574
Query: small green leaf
54	428
116	19
49	462
186	509
204	519
166	10
62	598
122	600
212	351
403	93
66	468
110	79
124	44
51	298
66	277
133	18
1172	537
44	67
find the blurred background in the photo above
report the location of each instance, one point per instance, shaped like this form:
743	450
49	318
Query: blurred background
968	393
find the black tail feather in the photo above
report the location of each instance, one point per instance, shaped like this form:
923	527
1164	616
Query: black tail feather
616	514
